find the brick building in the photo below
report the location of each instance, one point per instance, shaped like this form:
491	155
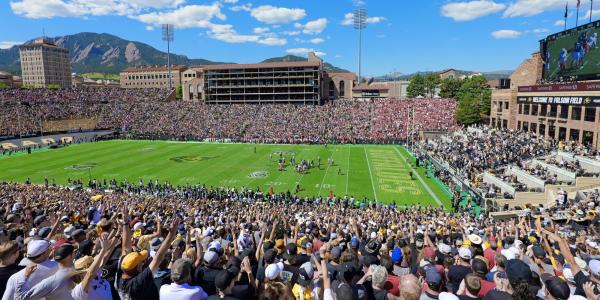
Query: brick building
44	63
151	76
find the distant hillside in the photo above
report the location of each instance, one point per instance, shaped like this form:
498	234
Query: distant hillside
327	66
109	54
102	53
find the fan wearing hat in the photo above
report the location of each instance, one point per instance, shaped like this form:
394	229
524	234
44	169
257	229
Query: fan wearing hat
302	290
555	288
90	266
137	281
460	269
38	252
180	288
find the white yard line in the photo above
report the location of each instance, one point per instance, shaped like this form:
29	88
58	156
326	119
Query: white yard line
420	179
370	173
348	170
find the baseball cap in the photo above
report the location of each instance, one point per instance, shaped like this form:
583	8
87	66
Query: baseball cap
517	270
336	252
181	269
594	266
444	249
39	220
63	251
373	246
36	248
77	232
428	253
210	257
133	259
379	275
223	279
354	243
272	271
396	255
479	266
155	243
558	288
464	253
305	274
433	278
538	252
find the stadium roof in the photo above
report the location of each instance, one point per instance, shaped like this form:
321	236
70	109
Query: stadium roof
154	68
285	64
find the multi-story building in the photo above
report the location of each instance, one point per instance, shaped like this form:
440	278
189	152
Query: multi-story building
279	82
563	112
44	63
151	76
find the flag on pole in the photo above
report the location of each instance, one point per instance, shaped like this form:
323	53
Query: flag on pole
566	10
577	16
591	9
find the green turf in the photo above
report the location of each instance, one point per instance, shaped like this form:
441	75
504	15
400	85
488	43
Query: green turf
373	171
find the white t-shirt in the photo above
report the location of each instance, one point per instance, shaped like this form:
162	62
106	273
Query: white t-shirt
97	290
184	291
43	271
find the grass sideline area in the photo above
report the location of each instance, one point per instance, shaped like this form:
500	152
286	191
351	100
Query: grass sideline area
373	171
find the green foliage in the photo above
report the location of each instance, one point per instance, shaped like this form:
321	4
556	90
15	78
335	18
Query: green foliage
416	87
179	92
27	86
104	76
432	81
449	87
474	97
53	86
4	85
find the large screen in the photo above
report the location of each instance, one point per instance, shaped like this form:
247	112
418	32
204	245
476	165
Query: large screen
573	54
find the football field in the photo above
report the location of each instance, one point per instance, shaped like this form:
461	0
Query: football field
378	172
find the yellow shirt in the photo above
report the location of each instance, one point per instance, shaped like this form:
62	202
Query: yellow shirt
302	293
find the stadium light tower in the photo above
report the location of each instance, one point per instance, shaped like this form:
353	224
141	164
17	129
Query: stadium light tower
168	36
360	23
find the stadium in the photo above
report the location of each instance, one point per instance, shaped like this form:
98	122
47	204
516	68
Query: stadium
291	178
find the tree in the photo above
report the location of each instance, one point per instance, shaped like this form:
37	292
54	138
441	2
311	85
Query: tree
474	100
432	81
179	92
4	85
449	87
416	87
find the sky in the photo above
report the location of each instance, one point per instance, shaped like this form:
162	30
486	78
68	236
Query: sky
401	35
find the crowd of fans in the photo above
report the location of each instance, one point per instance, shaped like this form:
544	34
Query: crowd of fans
144	113
73	243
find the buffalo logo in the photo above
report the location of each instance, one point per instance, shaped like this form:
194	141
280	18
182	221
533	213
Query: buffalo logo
285	153
258	174
81	166
191	158
587	101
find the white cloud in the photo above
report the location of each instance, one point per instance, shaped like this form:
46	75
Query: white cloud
273	41
149	27
317	40
304	51
259	30
560	23
9	44
586	16
375	20
227	34
245	7
540	30
527	8
230	1
349	19
191	16
291	33
40	9
313	27
506	34
467	11
277	15
358	2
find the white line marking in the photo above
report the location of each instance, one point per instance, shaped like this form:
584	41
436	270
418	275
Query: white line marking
370	174
323	180
348	170
420	179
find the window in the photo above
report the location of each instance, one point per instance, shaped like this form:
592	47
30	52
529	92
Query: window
505	105
342	87
534	110
520	108
564	111
576	113
553	111
590	114
504	123
533	127
574	135
551	130
526	109
562	133
588	137
542	130
544	111
525	126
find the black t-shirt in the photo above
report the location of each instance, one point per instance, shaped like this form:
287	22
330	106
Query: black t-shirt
226	297
580	280
465	297
205	278
141	286
497	295
456	274
380	294
5	273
